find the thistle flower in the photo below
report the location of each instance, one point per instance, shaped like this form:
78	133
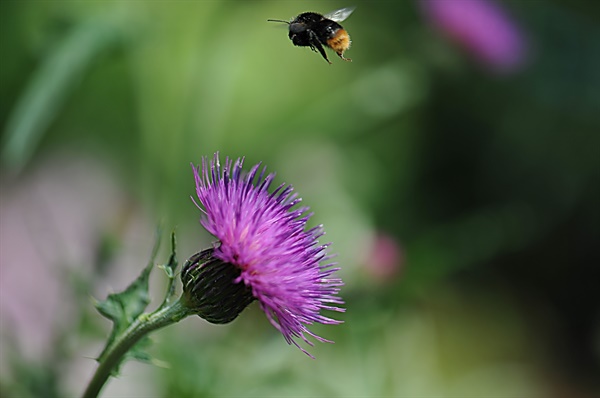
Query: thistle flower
483	28
262	236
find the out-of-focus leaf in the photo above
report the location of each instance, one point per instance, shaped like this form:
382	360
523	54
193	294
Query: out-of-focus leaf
51	84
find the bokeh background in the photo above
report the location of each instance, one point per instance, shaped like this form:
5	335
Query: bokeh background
454	164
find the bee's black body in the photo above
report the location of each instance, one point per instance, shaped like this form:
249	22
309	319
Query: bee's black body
314	30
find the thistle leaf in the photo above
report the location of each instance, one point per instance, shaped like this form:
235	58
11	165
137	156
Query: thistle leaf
125	307
170	267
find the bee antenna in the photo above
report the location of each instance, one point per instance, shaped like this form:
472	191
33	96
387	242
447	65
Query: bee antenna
277	20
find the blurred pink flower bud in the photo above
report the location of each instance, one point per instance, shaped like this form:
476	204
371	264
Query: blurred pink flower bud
483	28
386	258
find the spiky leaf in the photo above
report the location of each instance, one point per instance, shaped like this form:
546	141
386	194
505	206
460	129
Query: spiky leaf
170	267
125	307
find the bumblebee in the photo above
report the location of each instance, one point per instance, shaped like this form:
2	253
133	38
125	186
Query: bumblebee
314	30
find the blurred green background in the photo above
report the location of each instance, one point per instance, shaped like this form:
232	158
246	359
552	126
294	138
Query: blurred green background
462	198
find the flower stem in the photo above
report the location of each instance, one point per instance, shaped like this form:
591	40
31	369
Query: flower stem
143	325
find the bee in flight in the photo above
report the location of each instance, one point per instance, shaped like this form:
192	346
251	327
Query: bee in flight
314	30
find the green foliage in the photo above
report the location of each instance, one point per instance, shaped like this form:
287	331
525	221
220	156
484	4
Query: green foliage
124	309
50	86
170	267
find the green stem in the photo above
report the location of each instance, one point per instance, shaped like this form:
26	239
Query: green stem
143	325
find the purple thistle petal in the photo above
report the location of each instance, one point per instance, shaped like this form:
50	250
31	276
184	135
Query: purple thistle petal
261	234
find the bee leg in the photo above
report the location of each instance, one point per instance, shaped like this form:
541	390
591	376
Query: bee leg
315	43
341	55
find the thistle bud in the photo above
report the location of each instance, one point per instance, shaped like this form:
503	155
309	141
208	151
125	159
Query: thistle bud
213	288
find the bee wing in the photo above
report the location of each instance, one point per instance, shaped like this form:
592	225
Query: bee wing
341	14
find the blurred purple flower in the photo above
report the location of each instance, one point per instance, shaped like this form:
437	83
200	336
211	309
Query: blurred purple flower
483	28
385	259
264	235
